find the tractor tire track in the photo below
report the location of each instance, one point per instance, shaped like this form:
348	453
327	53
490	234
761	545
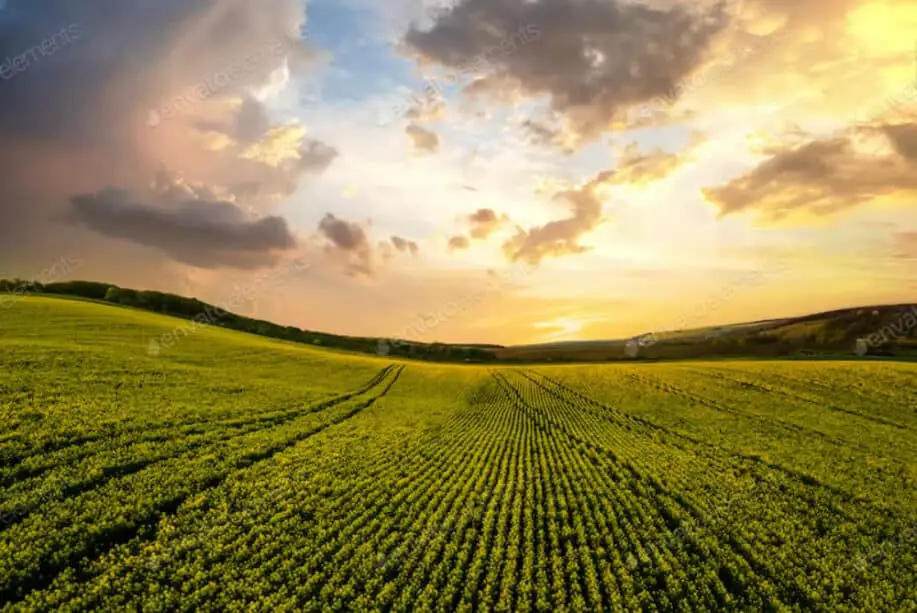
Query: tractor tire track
53	446
144	527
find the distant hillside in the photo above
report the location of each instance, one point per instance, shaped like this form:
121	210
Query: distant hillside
204	313
888	330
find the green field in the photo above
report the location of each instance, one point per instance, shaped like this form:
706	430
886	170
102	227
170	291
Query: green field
233	472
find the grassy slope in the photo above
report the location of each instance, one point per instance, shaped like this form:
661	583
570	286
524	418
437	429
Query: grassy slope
88	365
829	335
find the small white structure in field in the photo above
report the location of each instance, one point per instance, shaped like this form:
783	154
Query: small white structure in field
862	346
632	348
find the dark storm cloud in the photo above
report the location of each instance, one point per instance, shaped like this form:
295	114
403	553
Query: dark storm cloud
74	120
120	46
592	58
200	233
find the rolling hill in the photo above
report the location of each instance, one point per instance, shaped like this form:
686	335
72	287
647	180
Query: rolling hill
879	331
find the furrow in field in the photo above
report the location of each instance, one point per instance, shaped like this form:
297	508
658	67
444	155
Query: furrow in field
865	385
91	524
402	553
28	495
446	576
328	555
633	505
585	593
275	550
49	450
762	388
724	457
477	498
857	461
492	595
710	403
813	510
495	421
693	508
561	519
431	508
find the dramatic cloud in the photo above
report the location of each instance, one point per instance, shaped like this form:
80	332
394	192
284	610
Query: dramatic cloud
197	232
459	242
592	59
139	58
135	89
104	103
424	140
557	238
823	176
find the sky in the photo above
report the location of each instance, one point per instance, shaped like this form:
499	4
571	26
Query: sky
499	171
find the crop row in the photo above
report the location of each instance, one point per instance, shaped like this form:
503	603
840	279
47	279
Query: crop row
519	492
54	538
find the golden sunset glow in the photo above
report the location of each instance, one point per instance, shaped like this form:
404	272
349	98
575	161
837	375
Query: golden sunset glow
290	130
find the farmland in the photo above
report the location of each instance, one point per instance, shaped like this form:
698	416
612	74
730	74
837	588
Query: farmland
234	472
